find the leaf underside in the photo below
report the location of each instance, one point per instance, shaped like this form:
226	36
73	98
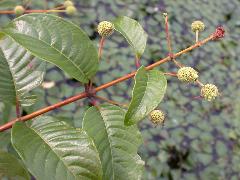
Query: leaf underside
20	73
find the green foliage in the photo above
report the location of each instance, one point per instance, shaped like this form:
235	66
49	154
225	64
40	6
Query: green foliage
12	168
148	92
133	32
51	149
117	144
20	73
205	130
57	41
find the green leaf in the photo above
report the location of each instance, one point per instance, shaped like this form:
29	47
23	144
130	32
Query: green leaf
58	41
5	140
10	167
53	150
5	112
117	144
148	92
20	72
133	33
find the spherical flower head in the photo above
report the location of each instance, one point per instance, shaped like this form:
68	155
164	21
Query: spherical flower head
157	117
197	26
105	28
209	92
71	10
68	3
19	10
187	74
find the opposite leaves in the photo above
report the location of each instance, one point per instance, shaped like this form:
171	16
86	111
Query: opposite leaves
149	89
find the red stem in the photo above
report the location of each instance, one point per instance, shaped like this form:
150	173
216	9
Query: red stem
167	34
18	108
101	44
137	62
104	86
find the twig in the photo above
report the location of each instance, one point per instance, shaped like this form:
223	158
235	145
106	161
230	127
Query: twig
197	35
104	86
137	62
101	44
170	74
18	108
111	101
199	83
169	42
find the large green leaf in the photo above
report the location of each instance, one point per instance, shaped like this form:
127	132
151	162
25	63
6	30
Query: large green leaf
58	41
5	140
133	33
20	73
11	168
117	144
53	150
149	89
5	112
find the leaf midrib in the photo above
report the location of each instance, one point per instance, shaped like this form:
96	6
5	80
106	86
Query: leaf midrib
53	151
109	143
69	60
141	102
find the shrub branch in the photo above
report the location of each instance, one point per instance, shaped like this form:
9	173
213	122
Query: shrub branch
104	86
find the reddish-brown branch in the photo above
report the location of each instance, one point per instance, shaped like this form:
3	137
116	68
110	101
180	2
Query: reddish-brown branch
18	108
101	44
104	86
167	34
137	62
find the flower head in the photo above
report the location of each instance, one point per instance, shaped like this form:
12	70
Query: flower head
197	26
157	117
187	74
105	28
209	92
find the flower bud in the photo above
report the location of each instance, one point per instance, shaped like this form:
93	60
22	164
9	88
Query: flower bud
68	3
71	10
19	10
